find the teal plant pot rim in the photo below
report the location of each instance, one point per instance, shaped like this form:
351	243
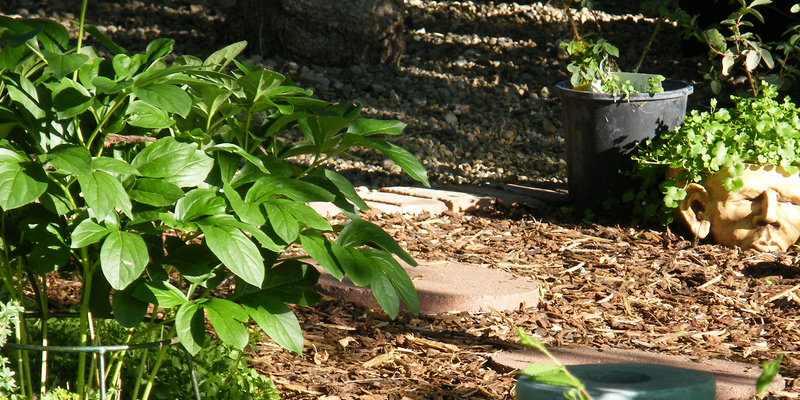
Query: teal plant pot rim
627	381
672	89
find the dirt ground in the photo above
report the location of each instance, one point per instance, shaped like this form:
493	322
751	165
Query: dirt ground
602	285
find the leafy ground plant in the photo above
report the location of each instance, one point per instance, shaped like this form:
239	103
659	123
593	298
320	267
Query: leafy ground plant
171	186
761	130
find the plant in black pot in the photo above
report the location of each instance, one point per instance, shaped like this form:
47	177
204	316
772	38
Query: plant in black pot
606	113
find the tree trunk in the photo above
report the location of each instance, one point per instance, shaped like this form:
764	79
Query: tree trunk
322	32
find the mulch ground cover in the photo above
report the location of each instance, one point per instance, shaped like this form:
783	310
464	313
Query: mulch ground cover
602	285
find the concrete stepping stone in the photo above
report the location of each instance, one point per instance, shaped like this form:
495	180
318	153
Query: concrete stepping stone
399	203
455	201
445	287
734	380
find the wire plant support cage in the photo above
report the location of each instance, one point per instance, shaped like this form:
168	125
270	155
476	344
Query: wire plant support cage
100	352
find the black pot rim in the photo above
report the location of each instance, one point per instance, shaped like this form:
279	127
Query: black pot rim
672	89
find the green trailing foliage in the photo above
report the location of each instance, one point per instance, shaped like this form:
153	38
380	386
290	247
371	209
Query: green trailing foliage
155	182
762	130
735	49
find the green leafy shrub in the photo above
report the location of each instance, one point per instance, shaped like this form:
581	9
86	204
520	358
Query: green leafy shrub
761	130
736	50
173	185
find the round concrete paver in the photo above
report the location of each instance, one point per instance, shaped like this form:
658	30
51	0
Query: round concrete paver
734	380
445	287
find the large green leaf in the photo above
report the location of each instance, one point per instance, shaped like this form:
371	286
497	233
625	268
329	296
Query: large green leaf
321	250
359	232
256	85
268	240
292	282
144	115
157	49
236	251
113	166
400	156
385	294
303	214
323	131
104	40
162	293
103	194
128	310
64	64
360	270
21	180
100	296
190	327
193	172
384	264
70	159
54	36
344	190
222	57
125	66
179	163
275	319
155	192
248	212
123	258
70	98
87	233
107	86
199	203
282	221
367	127
268	186
226	317
169	98
24	92
48	255
163	157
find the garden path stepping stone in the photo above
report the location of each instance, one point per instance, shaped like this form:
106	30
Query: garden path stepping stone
445	287
734	380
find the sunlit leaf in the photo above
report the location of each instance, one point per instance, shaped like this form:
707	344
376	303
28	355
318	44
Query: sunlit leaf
123	257
21	180
237	252
276	320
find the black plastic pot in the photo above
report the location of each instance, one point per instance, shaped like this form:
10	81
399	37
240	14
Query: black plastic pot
602	130
627	382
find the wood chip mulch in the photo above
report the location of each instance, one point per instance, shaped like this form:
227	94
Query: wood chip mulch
603	285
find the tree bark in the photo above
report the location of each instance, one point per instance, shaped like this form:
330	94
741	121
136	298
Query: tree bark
322	32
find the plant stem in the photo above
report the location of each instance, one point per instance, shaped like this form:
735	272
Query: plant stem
235	367
81	23
571	19
84	322
22	334
145	353
162	352
43	304
649	43
117	359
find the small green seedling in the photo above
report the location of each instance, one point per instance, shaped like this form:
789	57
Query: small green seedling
768	374
551	374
